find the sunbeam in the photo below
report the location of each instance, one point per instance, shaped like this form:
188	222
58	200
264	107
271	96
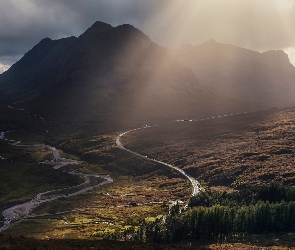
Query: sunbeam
257	25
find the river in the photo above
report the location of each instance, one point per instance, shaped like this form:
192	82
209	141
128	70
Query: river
23	210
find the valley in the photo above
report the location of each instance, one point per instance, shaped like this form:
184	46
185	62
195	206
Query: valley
108	137
224	153
148	195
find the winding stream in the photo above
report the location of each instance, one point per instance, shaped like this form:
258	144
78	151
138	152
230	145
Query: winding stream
22	211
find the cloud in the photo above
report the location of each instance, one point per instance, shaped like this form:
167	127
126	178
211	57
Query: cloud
258	25
24	23
3	67
291	54
7	61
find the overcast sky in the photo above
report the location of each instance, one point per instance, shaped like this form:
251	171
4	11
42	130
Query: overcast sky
255	24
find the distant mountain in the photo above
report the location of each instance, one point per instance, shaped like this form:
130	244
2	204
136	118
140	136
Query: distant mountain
266	79
108	72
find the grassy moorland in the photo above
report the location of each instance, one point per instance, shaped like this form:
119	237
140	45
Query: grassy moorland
230	154
140	191
227	153
21	175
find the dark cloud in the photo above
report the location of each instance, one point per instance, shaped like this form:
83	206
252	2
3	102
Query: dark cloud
258	25
24	23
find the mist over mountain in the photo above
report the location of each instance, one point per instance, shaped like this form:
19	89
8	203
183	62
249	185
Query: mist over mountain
266	79
112	129
114	72
119	74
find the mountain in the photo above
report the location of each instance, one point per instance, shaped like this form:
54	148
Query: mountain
117	75
266	79
107	73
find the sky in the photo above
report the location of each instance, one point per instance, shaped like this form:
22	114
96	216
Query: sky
259	25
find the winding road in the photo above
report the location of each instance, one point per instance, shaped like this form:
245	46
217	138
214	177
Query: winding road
196	188
24	210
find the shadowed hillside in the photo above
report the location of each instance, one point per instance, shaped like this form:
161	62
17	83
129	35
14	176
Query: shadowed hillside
119	76
108	73
266	79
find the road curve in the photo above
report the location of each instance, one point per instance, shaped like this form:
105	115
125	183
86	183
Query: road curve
195	184
196	188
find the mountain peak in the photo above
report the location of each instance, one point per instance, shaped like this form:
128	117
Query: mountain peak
212	41
96	29
44	41
47	39
129	28
128	31
275	53
126	26
100	25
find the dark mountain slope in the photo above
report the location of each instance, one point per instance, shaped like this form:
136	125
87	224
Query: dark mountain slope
35	71
119	74
267	79
114	73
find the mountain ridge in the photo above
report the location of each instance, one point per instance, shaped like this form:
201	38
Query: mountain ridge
107	72
265	78
119	73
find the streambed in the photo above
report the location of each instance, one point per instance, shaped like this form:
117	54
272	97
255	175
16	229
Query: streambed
24	210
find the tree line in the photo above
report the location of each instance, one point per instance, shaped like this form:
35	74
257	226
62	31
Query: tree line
218	215
218	222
